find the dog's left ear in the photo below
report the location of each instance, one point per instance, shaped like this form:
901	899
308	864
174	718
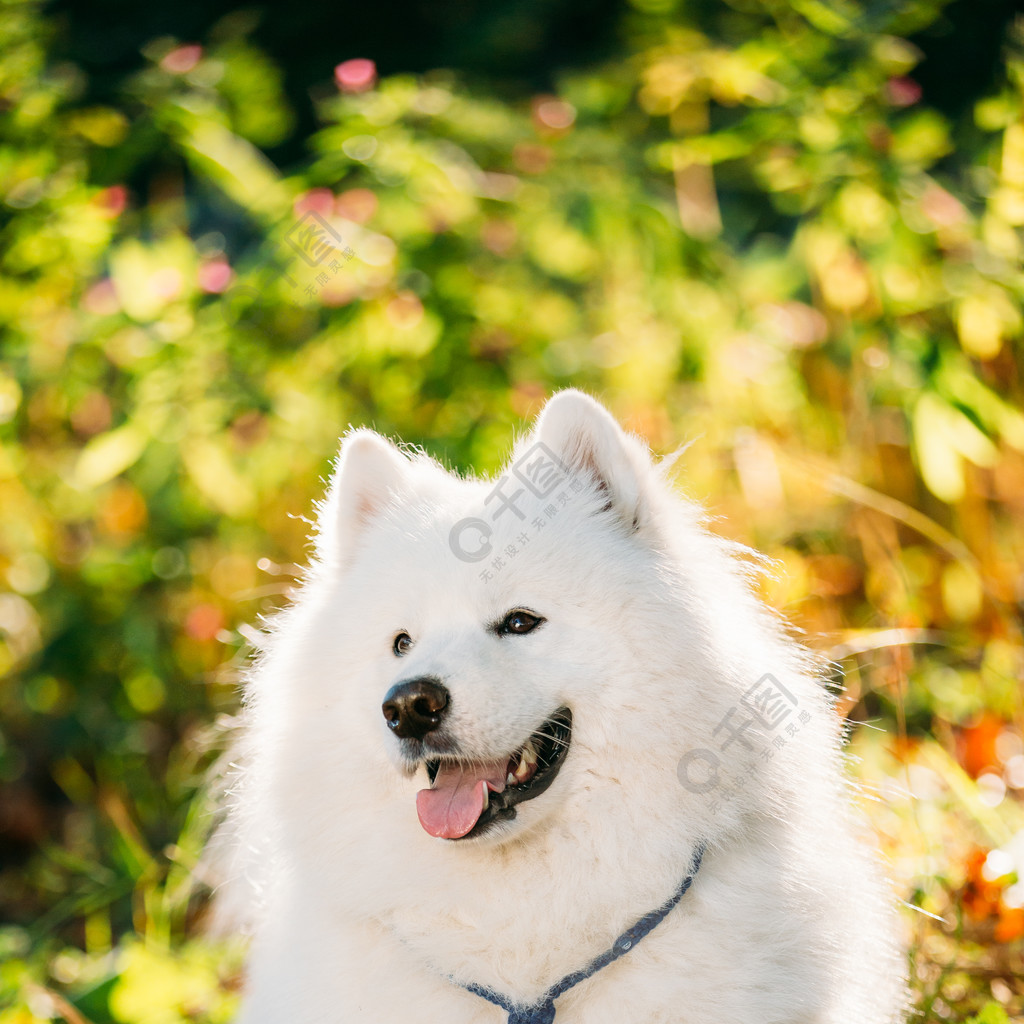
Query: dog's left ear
587	440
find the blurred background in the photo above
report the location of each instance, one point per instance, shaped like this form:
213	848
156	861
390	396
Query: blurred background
789	232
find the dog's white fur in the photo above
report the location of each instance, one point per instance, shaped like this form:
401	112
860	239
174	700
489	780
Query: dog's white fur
652	636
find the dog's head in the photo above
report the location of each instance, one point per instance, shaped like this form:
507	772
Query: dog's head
493	631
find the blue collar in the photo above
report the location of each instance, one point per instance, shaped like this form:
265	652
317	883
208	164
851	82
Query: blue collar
543	1011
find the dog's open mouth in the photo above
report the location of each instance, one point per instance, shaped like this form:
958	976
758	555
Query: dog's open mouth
466	797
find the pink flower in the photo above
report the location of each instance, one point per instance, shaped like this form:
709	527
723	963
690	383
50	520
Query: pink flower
358	204
319	200
112	201
902	91
552	114
101	299
182	59
215	276
356	75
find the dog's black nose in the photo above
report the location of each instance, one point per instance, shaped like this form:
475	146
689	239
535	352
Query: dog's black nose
415	707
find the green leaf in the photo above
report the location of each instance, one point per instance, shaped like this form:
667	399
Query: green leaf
991	1013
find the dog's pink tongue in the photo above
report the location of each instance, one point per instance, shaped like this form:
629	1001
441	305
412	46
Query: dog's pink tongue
453	805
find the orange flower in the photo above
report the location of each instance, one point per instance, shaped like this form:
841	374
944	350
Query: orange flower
980	898
976	744
1010	925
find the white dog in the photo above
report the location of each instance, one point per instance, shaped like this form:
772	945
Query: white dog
530	750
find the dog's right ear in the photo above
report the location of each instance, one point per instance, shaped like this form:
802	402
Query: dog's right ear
367	472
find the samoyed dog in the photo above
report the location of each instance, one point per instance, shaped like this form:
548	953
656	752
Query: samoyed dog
530	750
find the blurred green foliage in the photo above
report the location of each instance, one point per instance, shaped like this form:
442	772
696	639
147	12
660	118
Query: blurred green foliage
749	229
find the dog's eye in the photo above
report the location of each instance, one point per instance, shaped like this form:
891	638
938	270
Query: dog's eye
519	621
402	644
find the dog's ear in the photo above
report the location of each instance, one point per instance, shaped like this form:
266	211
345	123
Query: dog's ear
587	440
367	471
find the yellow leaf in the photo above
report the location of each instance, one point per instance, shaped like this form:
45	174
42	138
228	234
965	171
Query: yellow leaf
1013	155
107	455
980	327
961	591
235	164
101	125
158	988
218	481
943	437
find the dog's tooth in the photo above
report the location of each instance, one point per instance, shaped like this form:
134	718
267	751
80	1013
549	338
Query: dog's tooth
510	780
